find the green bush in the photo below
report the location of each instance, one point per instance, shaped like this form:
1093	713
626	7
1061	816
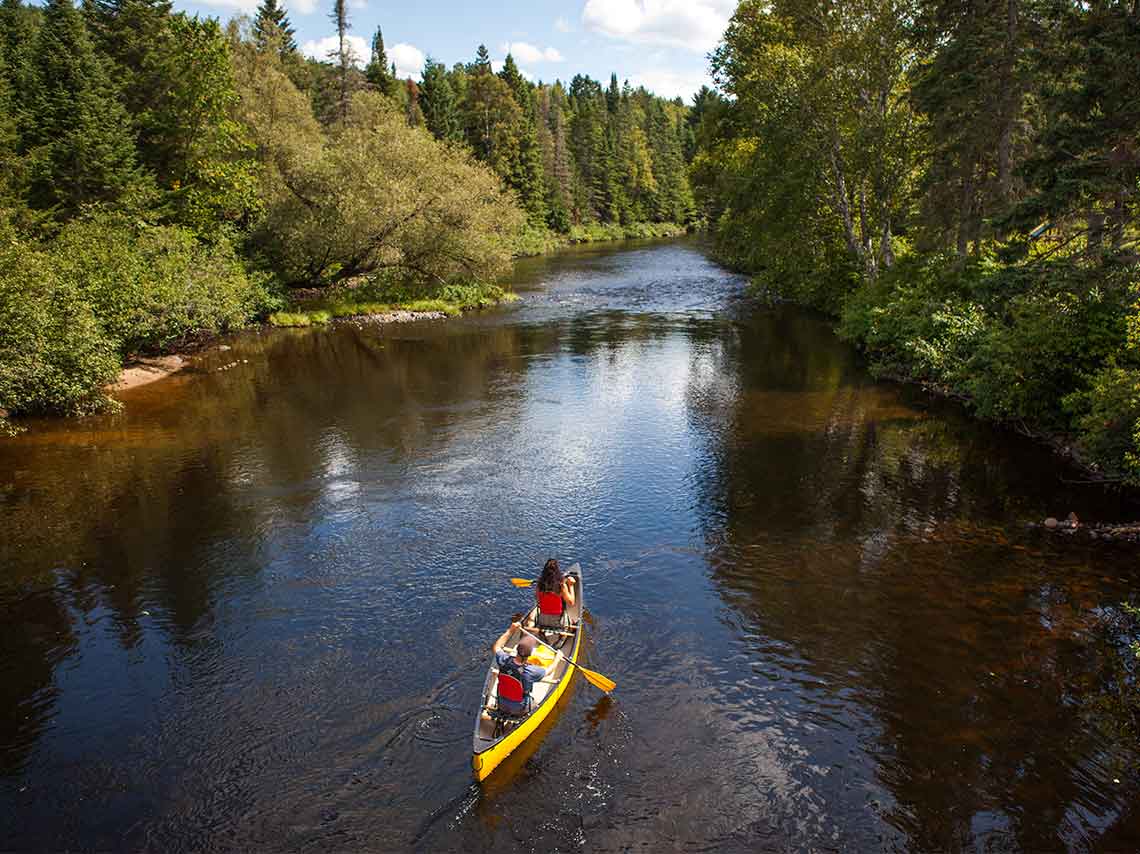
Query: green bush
154	286
1054	345
54	355
1109	425
1046	348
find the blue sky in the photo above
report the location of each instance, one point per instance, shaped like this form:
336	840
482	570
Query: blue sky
661	44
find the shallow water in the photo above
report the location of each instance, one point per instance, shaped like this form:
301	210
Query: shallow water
253	611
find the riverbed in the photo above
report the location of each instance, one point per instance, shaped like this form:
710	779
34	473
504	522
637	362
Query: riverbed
253	610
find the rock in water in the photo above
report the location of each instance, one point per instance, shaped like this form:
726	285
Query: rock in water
1051	523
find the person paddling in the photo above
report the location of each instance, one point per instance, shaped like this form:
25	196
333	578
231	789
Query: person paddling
553	593
514	699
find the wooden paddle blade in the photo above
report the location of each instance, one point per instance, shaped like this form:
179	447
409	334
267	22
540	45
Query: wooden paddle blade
522	582
598	680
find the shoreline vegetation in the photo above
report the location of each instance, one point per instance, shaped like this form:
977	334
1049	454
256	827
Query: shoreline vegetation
166	179
317	308
958	187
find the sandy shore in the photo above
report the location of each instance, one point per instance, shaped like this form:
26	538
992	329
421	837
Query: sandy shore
145	370
139	372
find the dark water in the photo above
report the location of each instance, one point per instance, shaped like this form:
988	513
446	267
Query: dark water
252	612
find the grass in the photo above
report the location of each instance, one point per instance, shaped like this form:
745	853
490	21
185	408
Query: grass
450	300
541	241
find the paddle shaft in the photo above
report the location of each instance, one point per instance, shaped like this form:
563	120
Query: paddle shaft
596	679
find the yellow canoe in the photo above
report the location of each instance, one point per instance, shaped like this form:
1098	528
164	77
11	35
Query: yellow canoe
493	740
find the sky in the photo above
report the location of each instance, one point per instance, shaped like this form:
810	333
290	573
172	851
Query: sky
660	44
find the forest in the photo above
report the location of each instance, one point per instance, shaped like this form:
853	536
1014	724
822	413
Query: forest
956	181
165	177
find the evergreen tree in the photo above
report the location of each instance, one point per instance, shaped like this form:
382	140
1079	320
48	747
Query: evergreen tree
1086	164
439	103
377	73
271	26
81	128
971	89
344	57
9	141
482	63
613	95
18	26
511	75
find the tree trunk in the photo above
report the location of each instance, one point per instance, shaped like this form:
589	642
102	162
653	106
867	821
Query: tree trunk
840	188
1119	219
1010	100
1095	221
886	250
965	212
870	262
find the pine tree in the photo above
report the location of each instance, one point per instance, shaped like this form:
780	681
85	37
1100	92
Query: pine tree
377	73
482	63
81	127
9	141
271	26
1087	160
527	177
439	103
18	26
344	57
613	95
511	75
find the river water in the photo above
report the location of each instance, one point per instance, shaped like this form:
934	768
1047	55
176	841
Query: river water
253	610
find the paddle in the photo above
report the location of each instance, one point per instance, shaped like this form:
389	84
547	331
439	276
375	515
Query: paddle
596	679
522	582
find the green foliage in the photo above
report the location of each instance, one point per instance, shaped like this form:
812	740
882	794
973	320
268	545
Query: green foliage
54	354
999	139
150	160
377	72
192	142
383	196
273	31
154	286
80	140
439	103
382	296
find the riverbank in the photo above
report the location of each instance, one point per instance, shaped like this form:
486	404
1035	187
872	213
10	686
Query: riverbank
543	242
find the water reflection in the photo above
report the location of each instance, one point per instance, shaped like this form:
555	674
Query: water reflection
253	610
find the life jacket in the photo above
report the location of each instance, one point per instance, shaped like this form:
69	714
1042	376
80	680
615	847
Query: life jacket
551	609
511	685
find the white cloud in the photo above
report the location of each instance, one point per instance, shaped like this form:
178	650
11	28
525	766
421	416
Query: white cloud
326	47
409	59
303	7
671	84
562	25
524	52
695	25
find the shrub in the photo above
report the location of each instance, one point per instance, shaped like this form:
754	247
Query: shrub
54	355
1110	424
153	286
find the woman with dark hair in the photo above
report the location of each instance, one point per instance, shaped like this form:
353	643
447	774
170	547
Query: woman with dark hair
553	581
553	594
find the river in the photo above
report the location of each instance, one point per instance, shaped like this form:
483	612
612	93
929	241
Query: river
253	610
